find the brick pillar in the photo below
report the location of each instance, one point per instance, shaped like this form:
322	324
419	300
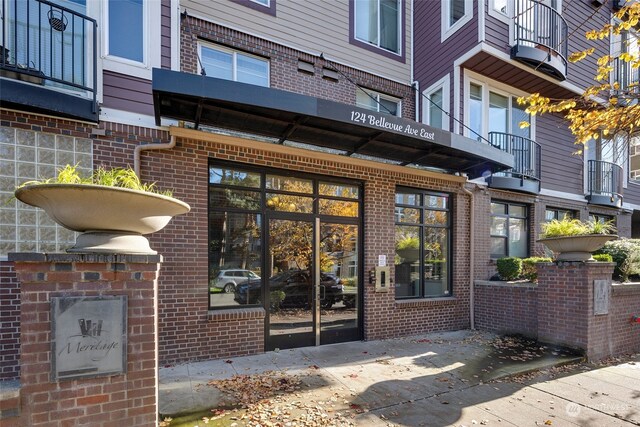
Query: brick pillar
566	305
126	399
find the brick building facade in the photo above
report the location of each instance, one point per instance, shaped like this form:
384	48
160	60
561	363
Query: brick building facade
320	61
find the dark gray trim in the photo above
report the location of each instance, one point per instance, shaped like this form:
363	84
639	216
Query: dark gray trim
40	99
269	10
320	122
550	63
513	183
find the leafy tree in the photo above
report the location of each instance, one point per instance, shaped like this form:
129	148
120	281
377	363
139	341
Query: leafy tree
609	108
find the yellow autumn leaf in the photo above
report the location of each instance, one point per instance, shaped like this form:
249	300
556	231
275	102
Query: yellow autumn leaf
524	124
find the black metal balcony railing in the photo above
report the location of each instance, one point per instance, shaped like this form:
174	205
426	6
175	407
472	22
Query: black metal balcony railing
626	78
525	174
541	37
49	45
604	182
526	154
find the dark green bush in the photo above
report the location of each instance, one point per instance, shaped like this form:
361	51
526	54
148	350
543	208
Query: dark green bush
603	258
529	271
509	268
626	255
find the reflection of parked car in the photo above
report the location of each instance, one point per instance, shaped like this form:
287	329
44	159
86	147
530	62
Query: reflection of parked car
296	285
228	280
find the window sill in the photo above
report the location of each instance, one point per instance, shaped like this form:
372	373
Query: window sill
425	302
228	314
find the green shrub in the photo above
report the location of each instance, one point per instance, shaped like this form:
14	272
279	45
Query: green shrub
509	268
603	258
626	254
575	227
529	271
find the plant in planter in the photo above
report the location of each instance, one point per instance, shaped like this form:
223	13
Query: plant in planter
575	240
111	209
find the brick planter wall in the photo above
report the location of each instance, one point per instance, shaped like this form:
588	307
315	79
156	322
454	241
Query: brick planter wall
9	322
616	334
565	303
509	308
128	399
560	309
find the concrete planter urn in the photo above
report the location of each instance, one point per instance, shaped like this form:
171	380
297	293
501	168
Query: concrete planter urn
110	219
576	248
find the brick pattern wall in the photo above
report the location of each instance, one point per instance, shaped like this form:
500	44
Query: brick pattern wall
127	399
619	334
565	304
560	309
9	322
188	331
283	63
506	308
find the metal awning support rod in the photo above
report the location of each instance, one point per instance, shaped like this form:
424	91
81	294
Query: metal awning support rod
292	128
364	143
198	115
421	158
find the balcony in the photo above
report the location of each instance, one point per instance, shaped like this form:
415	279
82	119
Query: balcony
626	80
540	38
525	175
48	60
604	183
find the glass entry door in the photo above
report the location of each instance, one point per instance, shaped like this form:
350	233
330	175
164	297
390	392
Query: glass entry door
312	289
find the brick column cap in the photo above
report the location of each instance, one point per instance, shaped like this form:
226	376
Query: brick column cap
84	257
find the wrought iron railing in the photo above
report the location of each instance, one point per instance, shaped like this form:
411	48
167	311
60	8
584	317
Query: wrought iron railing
625	79
604	179
48	44
526	154
539	25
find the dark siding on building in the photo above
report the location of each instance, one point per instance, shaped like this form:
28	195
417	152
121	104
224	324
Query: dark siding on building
432	58
166	34
562	170
496	32
127	93
581	18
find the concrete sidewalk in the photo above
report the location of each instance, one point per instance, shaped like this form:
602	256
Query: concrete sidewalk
431	380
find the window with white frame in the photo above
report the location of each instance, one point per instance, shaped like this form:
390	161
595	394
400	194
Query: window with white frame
500	6
454	15
379	102
435	101
27	156
494	109
229	64
262	2
634	159
378	23
131	38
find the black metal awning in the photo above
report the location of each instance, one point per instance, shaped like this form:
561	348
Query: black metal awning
289	116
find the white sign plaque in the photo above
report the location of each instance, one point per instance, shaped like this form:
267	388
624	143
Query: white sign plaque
382	260
88	336
601	293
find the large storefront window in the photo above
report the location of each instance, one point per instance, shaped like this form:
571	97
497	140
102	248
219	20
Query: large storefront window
509	230
261	227
423	235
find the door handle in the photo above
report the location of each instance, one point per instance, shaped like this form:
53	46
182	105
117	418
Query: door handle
323	292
